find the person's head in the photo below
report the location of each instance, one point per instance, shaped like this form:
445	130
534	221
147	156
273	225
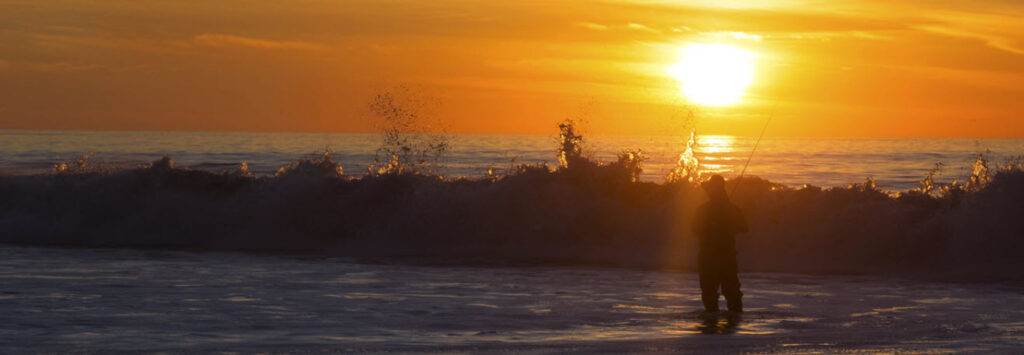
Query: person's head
715	187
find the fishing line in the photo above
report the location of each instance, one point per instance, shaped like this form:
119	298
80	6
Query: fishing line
744	171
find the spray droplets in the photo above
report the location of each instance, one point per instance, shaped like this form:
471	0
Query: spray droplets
413	140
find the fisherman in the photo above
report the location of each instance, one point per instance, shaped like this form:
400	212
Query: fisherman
716	224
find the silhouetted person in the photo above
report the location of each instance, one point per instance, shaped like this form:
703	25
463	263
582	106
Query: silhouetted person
716	224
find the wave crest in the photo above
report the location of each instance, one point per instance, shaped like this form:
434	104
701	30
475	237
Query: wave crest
585	212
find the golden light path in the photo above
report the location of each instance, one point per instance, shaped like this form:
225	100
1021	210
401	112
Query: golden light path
713	74
715	153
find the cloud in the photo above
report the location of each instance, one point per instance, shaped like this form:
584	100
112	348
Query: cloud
828	36
86	41
737	35
227	40
592	26
641	27
61	67
385	49
994	41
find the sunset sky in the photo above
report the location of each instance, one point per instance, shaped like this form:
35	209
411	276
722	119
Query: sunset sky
868	68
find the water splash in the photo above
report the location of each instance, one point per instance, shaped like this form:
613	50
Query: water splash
687	167
242	171
928	183
164	164
83	164
868	185
413	140
979	174
631	161
570	148
322	164
979	177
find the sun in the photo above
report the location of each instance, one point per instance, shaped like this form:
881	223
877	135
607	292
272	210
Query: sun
713	74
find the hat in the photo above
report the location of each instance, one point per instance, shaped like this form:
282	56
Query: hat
714	183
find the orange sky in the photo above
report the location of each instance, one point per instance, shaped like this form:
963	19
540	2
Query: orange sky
868	68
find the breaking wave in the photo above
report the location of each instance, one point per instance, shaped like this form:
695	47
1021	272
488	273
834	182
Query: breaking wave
581	212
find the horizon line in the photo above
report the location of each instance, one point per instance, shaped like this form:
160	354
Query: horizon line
586	134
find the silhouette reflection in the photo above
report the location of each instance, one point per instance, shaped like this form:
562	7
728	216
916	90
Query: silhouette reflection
719	323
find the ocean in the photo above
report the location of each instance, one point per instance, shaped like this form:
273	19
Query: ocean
896	164
146	301
259	242
810	203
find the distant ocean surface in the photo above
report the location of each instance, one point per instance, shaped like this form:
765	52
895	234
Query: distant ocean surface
895	163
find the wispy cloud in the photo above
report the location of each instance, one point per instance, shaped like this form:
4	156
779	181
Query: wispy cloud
994	41
60	67
89	41
738	35
828	36
228	40
592	26
641	27
385	49
46	67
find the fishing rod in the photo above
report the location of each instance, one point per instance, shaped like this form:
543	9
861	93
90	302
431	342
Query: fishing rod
744	171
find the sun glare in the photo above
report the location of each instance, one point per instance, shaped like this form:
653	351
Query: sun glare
713	74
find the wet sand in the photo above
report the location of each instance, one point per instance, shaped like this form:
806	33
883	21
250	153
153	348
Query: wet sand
99	300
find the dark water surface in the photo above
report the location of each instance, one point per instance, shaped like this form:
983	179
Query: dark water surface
56	299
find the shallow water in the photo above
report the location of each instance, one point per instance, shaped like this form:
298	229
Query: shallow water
895	163
56	299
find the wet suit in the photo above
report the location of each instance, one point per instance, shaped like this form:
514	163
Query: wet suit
716	224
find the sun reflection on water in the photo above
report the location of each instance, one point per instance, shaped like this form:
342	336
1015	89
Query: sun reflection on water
715	153
716	144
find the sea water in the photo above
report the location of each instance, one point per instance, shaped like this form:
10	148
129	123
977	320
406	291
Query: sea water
407	263
124	300
896	164
588	213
